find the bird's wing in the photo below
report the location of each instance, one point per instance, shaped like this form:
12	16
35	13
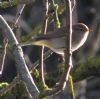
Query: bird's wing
50	35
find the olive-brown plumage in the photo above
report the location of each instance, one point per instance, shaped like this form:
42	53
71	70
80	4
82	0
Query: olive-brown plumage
56	40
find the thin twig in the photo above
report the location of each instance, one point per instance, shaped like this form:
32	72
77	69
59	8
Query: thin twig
46	55
19	13
73	3
10	1
44	29
56	19
68	52
4	56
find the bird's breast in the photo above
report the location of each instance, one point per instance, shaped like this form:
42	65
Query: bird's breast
58	45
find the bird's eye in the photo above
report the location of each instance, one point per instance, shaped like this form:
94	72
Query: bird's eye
81	29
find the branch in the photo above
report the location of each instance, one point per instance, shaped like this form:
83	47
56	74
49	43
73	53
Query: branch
68	52
21	66
44	29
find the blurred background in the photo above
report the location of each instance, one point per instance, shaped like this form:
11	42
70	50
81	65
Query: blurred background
85	11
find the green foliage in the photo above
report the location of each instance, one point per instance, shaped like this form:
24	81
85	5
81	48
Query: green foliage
17	92
6	4
20	91
42	96
86	69
5	95
2	85
71	86
61	8
56	19
35	73
36	31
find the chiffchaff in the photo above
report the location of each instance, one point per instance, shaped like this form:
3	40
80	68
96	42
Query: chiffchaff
56	40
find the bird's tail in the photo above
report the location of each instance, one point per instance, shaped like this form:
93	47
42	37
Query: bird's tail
25	44
35	41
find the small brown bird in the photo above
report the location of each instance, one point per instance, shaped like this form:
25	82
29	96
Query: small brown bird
56	40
